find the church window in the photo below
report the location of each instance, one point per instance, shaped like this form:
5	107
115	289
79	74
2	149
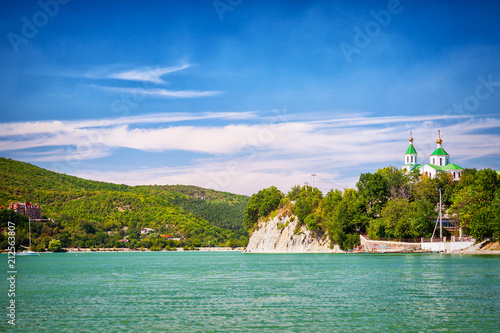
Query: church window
412	159
407	159
440	161
433	161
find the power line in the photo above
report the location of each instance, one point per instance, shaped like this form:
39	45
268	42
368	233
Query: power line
328	181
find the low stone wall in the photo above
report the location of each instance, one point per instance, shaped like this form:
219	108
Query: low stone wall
219	249
387	246
446	246
369	245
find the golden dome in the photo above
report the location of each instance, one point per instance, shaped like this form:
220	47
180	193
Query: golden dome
410	139
439	141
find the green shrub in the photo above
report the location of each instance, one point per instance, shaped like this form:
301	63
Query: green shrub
55	245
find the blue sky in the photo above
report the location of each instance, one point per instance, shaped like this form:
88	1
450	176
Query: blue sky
241	95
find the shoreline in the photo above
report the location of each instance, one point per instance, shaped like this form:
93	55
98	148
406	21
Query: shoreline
243	250
76	251
179	249
483	248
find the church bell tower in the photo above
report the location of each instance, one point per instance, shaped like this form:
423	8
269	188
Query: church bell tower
410	155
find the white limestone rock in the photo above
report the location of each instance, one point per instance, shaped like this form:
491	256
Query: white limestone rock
279	235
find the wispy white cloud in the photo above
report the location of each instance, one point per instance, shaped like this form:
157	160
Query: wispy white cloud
150	78
158	92
125	72
146	74
69	155
355	137
243	157
40	127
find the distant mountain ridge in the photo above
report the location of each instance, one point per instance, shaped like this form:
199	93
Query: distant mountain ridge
85	208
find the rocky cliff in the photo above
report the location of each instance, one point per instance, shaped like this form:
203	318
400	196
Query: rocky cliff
282	234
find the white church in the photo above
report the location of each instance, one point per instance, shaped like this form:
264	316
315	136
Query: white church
439	161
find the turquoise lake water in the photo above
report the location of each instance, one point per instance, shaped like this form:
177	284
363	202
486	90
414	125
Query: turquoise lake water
237	292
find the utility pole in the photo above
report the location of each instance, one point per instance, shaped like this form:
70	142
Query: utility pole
314	175
440	217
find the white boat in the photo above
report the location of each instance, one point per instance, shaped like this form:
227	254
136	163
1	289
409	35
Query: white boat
28	252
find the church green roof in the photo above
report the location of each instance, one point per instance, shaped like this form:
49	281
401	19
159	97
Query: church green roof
435	167
451	166
411	150
439	151
413	166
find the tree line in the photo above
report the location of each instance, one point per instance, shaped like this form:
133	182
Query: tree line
389	203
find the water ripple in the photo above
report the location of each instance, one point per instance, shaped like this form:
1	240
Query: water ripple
235	292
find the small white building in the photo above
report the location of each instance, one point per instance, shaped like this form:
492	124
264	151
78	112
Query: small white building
439	161
146	231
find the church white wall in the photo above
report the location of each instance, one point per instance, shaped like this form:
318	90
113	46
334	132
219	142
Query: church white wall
428	171
410	159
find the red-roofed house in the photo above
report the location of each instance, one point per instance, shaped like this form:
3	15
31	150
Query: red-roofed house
26	208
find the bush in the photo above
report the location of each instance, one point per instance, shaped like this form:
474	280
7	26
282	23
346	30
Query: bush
307	201
485	224
55	245
261	204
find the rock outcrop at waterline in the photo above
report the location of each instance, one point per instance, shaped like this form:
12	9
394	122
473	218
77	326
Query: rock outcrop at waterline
282	234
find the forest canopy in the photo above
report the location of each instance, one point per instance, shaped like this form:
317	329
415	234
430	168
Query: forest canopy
389	203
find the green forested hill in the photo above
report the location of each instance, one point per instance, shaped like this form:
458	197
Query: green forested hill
89	213
221	209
